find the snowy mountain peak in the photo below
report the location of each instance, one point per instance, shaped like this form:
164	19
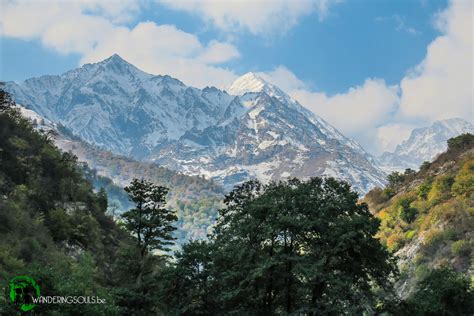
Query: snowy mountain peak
115	58
427	142
116	61
114	66
254	83
424	144
250	82
261	132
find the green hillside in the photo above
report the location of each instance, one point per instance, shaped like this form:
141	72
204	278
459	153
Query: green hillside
427	217
53	227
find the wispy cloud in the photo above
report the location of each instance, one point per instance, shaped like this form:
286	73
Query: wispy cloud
400	23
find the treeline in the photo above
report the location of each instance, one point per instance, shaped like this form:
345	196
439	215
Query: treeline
302	248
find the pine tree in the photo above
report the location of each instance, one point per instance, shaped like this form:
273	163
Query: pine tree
150	221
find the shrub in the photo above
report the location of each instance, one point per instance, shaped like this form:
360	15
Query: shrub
461	248
395	241
442	292
410	234
422	271
464	181
424	189
418	259
388	192
461	142
405	211
376	196
449	234
395	179
441	189
408	215
425	166
432	238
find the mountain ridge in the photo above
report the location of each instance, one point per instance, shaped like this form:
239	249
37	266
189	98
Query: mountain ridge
114	105
424	144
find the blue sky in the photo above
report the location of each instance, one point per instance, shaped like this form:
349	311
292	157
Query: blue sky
341	59
356	40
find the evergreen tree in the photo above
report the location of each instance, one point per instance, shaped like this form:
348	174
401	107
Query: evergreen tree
150	221
189	287
295	247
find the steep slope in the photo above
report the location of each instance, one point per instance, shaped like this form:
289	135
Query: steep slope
115	105
195	199
427	217
266	134
260	132
53	227
424	144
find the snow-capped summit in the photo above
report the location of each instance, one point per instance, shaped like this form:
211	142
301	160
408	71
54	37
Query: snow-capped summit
250	82
424	144
118	106
257	132
253	82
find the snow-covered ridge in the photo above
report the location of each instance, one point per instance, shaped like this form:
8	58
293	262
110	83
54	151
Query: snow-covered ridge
424	144
255	131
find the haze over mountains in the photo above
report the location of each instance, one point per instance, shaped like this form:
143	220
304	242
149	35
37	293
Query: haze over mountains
255	130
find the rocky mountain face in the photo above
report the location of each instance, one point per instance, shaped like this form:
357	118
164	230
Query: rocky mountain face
424	144
255	130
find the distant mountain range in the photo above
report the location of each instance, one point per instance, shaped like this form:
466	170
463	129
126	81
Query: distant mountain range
255	130
424	144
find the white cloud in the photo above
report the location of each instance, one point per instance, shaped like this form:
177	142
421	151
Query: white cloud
357	112
219	52
257	17
400	23
93	30
283	78
392	134
441	86
380	116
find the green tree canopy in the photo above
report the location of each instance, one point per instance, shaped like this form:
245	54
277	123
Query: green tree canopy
289	247
150	221
443	292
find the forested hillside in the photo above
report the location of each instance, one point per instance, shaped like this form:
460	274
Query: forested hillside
53	227
427	217
293	247
195	198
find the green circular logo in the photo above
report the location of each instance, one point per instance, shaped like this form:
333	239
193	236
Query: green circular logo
22	290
